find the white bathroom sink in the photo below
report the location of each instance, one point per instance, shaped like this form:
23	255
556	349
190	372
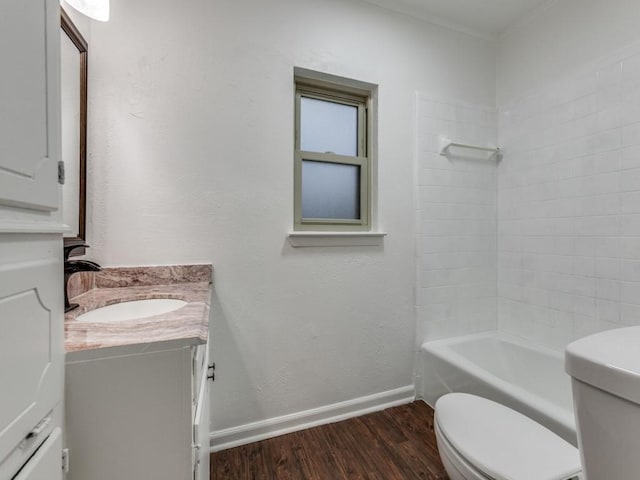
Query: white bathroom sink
119	312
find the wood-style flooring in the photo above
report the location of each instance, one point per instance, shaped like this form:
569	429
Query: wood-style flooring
394	444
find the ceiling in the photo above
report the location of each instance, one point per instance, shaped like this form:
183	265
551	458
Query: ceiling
488	18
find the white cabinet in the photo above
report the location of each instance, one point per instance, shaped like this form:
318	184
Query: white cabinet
138	416
30	104
31	371
31	319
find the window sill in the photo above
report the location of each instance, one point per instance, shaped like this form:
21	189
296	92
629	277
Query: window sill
336	239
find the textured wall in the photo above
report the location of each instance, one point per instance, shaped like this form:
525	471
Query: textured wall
456	221
569	187
192	161
558	39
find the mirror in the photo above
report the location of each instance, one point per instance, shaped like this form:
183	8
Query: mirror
73	57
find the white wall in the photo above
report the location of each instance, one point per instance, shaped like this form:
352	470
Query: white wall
569	187
456	281
191	150
560	38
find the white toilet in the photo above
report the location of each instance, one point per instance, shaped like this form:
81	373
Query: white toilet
605	371
479	439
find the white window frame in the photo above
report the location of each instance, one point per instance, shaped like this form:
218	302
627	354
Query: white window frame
346	94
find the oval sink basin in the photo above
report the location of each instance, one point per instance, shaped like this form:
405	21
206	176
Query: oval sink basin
119	312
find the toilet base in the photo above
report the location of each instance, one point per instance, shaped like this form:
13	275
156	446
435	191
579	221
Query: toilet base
455	465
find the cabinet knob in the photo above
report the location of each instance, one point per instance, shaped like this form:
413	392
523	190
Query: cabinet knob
211	371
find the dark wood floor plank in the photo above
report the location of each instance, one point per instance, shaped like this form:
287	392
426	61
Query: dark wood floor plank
367	463
394	444
348	459
307	453
328	455
284	464
389	440
421	448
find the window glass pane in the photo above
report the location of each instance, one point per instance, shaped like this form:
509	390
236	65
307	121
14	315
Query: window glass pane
330	190
328	127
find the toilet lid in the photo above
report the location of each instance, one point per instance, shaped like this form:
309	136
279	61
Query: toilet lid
502	443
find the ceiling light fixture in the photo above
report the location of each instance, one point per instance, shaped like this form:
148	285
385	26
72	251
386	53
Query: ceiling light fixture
96	9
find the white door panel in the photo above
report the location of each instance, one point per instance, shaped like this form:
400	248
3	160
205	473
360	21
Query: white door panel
31	277
29	135
31	345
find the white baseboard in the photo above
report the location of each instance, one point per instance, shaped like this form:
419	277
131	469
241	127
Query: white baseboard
272	427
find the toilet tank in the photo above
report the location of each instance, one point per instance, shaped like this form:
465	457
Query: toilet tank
605	371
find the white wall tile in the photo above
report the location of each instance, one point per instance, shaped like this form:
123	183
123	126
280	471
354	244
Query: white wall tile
456	219
630	225
631	134
569	205
629	314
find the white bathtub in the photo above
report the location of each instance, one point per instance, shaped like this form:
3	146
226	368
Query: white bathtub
528	379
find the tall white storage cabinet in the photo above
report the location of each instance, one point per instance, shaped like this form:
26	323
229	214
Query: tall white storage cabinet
31	318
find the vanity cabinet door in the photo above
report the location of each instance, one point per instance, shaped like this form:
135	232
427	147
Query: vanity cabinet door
201	431
199	369
129	416
29	102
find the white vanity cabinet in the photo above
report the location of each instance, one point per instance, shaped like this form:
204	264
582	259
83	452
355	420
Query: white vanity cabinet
138	415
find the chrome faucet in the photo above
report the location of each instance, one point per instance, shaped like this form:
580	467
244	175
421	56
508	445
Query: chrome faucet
75	266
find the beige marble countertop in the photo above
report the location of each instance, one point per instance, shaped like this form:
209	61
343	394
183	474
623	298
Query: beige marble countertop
189	324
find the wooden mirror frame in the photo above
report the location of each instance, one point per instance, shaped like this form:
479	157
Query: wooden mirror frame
69	28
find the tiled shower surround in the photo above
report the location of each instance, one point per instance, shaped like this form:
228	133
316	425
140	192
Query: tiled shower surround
455	221
569	205
567	211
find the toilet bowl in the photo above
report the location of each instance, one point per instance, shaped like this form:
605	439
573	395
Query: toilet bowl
479	439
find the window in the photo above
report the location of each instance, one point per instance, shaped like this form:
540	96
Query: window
332	184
